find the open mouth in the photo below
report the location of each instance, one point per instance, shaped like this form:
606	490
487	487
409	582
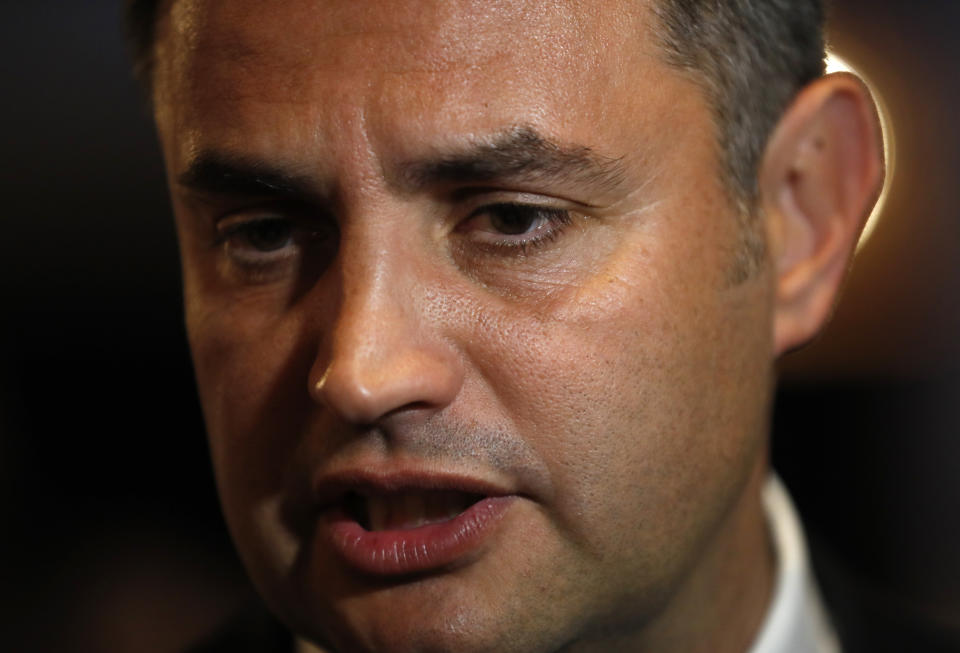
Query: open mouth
407	524
407	509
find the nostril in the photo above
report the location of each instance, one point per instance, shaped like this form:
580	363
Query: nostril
353	394
363	387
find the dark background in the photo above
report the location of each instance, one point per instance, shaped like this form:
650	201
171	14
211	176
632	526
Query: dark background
110	535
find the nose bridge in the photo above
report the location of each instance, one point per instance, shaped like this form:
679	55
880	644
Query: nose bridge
381	352
373	283
366	263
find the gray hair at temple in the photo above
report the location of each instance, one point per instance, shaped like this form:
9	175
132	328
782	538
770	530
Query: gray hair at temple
750	56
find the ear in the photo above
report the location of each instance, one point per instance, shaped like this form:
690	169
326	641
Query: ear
821	175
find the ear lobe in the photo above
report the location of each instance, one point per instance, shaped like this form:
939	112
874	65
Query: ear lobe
821	175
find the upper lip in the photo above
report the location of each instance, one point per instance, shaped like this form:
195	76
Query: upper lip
331	487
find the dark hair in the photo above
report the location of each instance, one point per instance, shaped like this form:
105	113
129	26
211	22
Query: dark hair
750	56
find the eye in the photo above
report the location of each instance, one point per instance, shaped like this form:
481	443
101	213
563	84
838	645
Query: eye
509	225
264	246
259	235
256	241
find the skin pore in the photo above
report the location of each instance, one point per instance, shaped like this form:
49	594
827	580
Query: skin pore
482	240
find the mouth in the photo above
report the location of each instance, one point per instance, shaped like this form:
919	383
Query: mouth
406	510
408	525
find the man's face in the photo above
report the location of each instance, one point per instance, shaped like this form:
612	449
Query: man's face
458	289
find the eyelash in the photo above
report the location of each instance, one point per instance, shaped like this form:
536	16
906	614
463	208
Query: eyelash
247	228
555	219
235	236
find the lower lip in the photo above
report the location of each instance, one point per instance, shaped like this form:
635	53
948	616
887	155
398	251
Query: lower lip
425	548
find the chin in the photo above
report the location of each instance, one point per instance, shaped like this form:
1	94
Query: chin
416	628
449	612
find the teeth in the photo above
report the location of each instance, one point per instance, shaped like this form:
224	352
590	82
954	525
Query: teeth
408	510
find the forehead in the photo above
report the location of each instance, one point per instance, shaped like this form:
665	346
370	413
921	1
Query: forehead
440	66
307	38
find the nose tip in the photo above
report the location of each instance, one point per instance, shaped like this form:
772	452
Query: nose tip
384	341
363	385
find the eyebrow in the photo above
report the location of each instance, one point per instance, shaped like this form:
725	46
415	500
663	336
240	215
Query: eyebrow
223	174
520	154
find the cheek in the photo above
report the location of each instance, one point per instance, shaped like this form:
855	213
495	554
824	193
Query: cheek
251	375
249	358
252	380
632	387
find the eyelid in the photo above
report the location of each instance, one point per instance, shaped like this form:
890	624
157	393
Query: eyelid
256	211
488	198
247	263
471	194
473	199
234	223
246	256
491	243
306	219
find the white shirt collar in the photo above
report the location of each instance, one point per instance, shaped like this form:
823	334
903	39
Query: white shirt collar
796	621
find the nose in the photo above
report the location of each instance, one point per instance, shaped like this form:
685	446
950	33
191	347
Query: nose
384	350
